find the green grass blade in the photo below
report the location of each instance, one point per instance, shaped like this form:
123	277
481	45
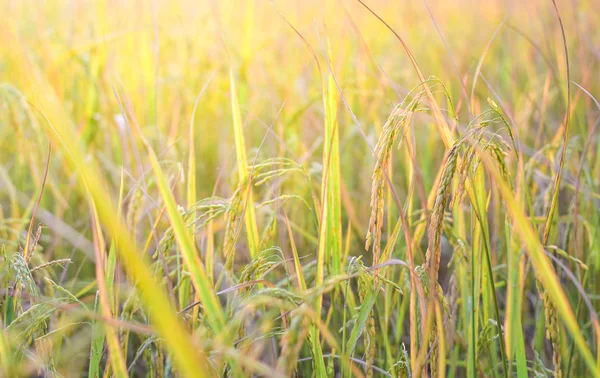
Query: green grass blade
117	360
97	343
243	173
330	186
359	327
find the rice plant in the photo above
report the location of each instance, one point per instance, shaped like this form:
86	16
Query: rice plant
344	188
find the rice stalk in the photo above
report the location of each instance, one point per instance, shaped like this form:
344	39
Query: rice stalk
400	117
245	179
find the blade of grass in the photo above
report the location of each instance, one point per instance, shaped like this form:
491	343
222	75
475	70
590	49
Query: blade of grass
330	185
243	173
117	361
480	208
514	338
97	343
98	333
191	195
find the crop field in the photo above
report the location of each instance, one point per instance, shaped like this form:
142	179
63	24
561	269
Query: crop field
336	188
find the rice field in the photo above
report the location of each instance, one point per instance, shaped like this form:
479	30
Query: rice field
338	188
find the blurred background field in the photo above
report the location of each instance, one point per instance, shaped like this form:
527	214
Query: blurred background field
215	167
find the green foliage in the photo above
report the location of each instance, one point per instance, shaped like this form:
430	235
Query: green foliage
213	175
